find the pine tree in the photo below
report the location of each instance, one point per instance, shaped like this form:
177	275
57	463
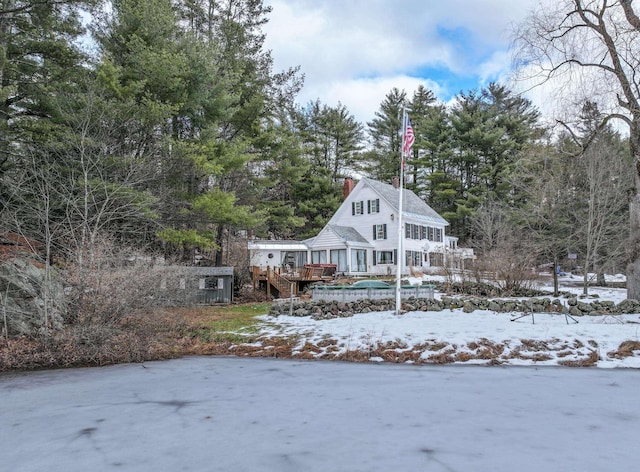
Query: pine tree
422	109
331	137
490	128
382	160
38	53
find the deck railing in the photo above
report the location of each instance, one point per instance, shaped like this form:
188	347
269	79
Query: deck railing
283	285
349	294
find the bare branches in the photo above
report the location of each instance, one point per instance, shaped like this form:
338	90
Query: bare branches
586	49
631	16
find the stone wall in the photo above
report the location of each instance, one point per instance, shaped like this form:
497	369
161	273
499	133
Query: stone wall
320	310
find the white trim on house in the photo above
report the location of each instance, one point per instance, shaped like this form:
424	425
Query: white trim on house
362	236
277	253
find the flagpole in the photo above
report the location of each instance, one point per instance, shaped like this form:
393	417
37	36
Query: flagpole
400	235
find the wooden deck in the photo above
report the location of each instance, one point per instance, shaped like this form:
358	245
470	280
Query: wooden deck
289	282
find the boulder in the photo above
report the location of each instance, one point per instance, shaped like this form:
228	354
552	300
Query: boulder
29	303
585	307
575	311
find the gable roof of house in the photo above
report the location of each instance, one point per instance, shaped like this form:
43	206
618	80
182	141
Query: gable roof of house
345	234
413	205
348	234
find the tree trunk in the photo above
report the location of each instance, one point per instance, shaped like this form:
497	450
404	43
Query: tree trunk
633	267
600	280
220	243
556	291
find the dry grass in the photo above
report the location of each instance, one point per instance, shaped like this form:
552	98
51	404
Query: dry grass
464	356
485	349
588	361
533	345
444	357
626	349
135	338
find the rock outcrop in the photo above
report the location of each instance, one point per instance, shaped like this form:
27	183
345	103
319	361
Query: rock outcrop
29	303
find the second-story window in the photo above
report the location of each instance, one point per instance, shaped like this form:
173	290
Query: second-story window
373	206
357	208
380	231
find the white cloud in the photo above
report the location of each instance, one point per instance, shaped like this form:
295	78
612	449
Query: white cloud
356	51
363	96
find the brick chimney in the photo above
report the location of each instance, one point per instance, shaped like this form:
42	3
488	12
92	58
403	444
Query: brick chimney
347	188
396	182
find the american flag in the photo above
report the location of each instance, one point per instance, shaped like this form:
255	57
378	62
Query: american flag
409	138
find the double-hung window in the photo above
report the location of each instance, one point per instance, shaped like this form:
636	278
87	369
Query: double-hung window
413	258
373	206
357	208
380	231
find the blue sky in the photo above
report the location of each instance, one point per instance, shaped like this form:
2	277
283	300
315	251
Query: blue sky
355	51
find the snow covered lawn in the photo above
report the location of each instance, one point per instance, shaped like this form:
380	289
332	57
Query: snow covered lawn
452	336
455	336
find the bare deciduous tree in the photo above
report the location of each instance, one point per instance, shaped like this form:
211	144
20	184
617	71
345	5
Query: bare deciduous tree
599	212
543	179
591	47
490	226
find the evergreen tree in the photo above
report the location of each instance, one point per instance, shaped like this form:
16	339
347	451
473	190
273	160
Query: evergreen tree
207	85
382	160
489	129
283	167
331	137
423	113
38	54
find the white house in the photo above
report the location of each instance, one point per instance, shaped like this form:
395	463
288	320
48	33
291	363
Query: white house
362	236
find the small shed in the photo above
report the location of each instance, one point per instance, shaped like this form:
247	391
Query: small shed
197	285
215	284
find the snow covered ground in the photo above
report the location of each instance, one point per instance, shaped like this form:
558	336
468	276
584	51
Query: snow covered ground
479	337
236	414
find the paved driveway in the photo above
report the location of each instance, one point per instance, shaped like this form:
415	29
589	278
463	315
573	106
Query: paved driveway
235	414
